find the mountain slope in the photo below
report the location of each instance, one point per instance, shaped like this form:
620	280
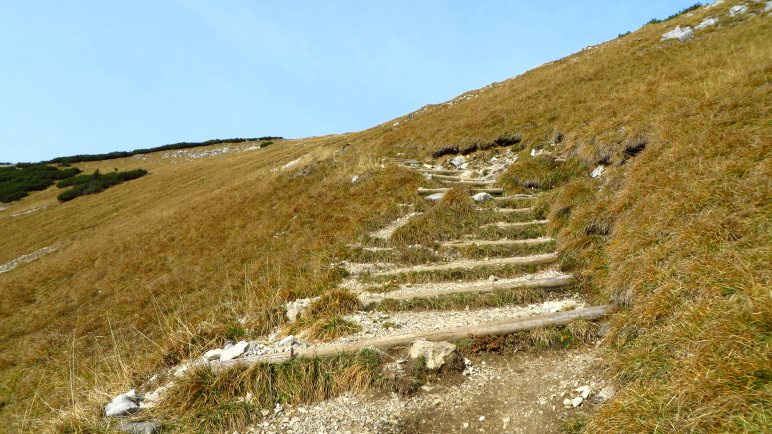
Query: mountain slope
676	233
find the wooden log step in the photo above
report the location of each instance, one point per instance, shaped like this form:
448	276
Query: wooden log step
473	182
545	258
505	225
516	196
514	210
544	282
493	328
493	191
501	242
446	172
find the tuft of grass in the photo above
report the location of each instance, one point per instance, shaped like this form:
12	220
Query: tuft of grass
574	334
452	216
329	329
515	233
205	401
543	172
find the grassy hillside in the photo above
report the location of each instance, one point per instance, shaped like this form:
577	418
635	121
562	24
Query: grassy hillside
678	234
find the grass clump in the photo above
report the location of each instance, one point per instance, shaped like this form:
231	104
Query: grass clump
208	402
515	233
17	181
95	183
449	218
329	329
323	321
540	173
477	252
573	334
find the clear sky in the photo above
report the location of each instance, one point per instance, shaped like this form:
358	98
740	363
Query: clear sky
98	76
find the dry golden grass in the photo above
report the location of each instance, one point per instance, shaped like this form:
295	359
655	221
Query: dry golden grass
678	234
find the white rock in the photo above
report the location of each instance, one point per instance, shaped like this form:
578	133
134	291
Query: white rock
233	351
212	354
584	391
296	307
123	404
289	340
354	179
606	393
436	354
290	164
458	161
482	197
768	6
681	33
598	171
567	403
707	22
463	166
435	197
576	402
737	10
482	418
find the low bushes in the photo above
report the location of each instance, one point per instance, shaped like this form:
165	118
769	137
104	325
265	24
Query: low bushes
17	181
95	183
500	142
266	140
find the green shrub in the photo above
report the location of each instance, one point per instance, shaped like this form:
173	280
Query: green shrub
95	183
17	181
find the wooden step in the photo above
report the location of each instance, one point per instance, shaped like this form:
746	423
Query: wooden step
514	210
505	225
446	172
501	242
545	258
492	328
516	196
472	182
427	191
545	282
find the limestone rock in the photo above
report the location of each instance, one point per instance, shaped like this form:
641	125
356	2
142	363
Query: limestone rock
458	161
140	427
707	22
435	196
233	351
436	354
598	171
737	10
212	355
681	33
123	404
482	197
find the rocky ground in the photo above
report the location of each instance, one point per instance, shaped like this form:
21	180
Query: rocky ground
523	393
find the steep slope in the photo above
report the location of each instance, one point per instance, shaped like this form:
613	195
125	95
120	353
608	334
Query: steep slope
676	232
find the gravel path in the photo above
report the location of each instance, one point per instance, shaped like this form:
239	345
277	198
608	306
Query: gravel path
379	324
451	287
388	231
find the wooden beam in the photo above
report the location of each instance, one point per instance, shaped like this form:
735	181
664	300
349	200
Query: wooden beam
471	264
494	328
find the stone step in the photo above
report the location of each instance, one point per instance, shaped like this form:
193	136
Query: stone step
446	172
492	328
501	242
516	196
546	258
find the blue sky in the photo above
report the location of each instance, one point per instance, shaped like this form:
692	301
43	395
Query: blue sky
99	76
